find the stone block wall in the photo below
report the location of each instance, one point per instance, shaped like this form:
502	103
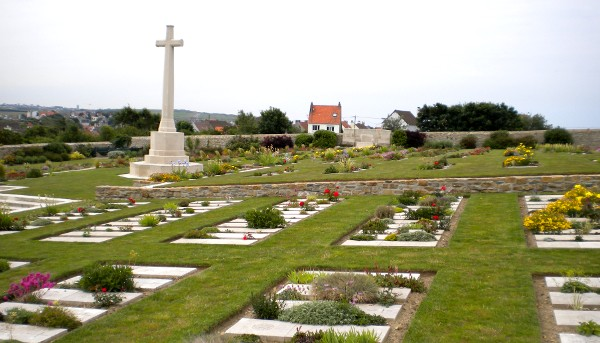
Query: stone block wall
366	137
511	184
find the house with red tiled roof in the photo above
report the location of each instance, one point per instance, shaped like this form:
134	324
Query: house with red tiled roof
325	117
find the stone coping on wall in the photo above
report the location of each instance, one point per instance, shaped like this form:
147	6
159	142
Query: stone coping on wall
504	184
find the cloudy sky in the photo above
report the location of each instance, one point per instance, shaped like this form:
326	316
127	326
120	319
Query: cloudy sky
539	56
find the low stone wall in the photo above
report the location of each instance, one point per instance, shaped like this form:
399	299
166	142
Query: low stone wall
511	184
588	137
366	137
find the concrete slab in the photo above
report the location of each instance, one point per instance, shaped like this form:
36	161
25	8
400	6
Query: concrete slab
558	281
77	239
83	314
16	264
274	330
100	233
558	298
215	241
573	318
28	333
245	230
78	296
7	232
575	338
574	245
161	272
390	244
150	283
567	238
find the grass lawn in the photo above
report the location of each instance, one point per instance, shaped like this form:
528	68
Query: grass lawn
482	291
473	166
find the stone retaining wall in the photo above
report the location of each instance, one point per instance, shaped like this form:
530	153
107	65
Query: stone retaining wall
511	184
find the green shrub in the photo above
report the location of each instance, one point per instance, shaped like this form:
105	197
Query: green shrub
423	212
265	306
106	299
416	236
329	313
363	237
499	140
574	286
245	338
203	233
18	315
307	337
2	172
57	148
34	173
302	277
558	136
6	222
290	294
55	317
374	226
590	328
304	139
399	138
438	144
324	139
348	287
385	212
267	218
528	141
393	280
107	278
468	142
184	203
149	220
4	265
170	208
409	198
245	143
331	170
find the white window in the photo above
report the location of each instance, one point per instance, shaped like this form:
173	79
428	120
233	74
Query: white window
315	127
331	128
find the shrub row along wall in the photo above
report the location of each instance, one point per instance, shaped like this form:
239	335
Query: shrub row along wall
527	184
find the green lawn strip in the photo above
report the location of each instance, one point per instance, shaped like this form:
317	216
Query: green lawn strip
73	185
488	165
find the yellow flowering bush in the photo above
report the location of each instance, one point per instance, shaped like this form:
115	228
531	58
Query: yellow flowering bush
164	177
565	206
546	221
519	156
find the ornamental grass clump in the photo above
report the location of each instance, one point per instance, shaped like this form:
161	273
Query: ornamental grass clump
347	287
149	220
55	317
329	313
203	233
265	306
385	212
266	218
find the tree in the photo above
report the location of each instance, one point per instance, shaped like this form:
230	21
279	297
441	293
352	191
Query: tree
399	138
144	119
107	133
246	123
535	122
274	120
393	123
10	137
472	116
185	127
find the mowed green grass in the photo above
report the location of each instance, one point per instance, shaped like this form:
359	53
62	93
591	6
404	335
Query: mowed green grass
482	290
486	165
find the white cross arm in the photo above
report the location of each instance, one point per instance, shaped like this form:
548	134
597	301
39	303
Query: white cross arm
171	42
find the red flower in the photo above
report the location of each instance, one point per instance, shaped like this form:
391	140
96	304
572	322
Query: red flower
245	237
80	209
15	219
103	289
443	188
301	203
433	205
336	194
131	201
436	217
327	191
436	163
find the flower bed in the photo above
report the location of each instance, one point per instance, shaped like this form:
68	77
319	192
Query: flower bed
311	301
568	221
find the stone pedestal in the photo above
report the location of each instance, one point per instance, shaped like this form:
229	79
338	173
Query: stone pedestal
166	154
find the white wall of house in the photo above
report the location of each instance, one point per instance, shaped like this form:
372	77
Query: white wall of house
329	127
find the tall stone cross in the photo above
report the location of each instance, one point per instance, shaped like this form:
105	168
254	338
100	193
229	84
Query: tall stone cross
167	122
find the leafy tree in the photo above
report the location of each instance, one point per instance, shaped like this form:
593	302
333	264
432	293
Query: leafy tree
10	137
274	120
144	119
472	116
558	136
393	123
185	127
246	123
74	134
534	122
107	133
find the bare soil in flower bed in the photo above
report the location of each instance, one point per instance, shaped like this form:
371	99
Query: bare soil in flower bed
399	326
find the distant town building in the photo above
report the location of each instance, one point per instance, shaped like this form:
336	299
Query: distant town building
325	117
407	119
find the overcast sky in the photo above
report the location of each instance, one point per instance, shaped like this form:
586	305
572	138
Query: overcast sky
539	56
